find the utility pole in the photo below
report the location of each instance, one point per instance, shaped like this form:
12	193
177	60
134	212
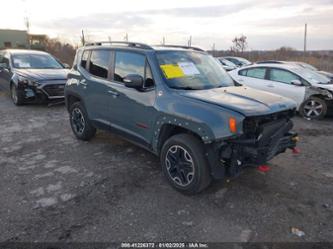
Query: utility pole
126	37
305	37
27	22
189	43
27	25
163	41
83	40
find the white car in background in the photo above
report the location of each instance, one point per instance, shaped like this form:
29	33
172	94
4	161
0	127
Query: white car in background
299	63
312	92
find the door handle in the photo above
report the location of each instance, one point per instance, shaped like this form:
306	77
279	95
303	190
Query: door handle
113	93
240	80
270	85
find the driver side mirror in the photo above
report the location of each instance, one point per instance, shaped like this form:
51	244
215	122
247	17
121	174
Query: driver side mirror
296	83
133	81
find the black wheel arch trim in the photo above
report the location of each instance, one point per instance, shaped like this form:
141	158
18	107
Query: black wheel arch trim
69	94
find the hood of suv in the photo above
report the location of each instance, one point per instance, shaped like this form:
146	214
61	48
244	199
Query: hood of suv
245	100
43	74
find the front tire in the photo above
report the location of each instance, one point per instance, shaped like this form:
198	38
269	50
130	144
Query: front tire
184	164
81	126
314	108
15	95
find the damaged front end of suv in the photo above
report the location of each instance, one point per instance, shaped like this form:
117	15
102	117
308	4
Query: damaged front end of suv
263	138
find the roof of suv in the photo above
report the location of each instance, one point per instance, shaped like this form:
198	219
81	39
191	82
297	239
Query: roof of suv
135	45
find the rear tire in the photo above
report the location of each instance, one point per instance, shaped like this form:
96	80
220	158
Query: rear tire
184	164
81	126
15	95
313	108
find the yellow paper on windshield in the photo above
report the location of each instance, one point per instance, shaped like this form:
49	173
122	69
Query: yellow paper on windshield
172	71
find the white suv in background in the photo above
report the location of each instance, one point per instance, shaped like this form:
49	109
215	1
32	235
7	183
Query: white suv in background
311	91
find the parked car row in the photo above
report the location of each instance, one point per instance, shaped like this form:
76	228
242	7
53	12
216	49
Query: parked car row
311	89
176	102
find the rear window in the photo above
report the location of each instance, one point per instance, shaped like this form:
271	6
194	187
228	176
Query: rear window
99	63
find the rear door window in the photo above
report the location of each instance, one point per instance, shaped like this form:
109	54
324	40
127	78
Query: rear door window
282	76
258	73
99	63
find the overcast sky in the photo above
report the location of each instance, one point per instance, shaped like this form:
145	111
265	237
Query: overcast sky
268	24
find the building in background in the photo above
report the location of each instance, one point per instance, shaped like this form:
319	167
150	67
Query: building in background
10	38
13	38
37	41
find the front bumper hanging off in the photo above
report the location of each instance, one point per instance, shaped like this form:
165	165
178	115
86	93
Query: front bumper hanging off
269	140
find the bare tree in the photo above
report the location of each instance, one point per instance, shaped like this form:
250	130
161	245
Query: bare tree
65	52
239	44
284	53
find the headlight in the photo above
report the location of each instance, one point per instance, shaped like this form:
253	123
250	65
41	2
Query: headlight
26	81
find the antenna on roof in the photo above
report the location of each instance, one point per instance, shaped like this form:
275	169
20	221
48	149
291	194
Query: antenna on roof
213	49
305	34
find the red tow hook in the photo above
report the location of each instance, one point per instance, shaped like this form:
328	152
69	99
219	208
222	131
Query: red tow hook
263	168
296	150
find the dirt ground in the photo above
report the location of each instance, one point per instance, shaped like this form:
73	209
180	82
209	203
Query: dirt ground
54	187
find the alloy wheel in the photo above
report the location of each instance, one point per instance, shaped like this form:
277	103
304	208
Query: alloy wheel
180	166
313	108
78	121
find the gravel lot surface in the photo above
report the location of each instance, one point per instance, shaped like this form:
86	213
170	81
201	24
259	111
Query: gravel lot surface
54	187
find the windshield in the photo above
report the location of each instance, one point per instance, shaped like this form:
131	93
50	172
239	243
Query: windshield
226	62
312	76
308	66
35	61
192	70
244	61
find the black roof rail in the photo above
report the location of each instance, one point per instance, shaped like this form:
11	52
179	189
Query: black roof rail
180	46
129	44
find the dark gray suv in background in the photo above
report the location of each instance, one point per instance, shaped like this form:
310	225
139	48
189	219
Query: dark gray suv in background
32	76
180	104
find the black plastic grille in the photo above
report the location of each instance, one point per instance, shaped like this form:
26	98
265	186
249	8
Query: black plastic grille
54	90
253	125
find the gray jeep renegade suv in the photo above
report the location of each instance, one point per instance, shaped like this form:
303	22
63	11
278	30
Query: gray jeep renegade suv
180	104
